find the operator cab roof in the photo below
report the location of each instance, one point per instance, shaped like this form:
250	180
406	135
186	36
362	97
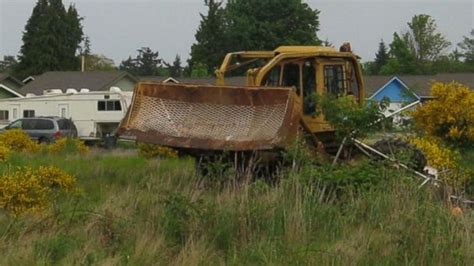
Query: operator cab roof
304	49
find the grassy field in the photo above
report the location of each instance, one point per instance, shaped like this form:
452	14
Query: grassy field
134	211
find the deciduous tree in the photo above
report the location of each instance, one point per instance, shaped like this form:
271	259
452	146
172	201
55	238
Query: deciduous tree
252	25
416	50
403	60
423	39
467	47
265	25
98	62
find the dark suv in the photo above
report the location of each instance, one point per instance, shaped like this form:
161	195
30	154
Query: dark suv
45	129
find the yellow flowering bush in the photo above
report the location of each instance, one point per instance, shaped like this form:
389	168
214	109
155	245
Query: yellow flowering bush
18	140
68	145
152	150
450	115
442	158
33	190
56	178
4	153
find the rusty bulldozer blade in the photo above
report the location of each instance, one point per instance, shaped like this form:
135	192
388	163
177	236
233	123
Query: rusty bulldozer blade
212	117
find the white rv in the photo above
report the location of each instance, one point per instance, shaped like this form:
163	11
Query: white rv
96	114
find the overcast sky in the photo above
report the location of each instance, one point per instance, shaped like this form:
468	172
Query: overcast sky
118	28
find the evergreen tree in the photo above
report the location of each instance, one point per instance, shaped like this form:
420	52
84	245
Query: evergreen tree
381	58
8	63
51	38
175	69
210	47
147	63
73	37
129	65
85	49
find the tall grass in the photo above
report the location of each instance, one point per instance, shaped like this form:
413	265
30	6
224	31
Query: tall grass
135	211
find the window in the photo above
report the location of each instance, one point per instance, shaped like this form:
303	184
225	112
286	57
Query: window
28	124
3	114
16	124
63	112
334	79
65	124
353	84
309	88
109	105
62	124
273	77
28	113
43	124
291	76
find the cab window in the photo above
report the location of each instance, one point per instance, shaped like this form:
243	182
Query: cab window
334	79
273	77
309	88
353	85
291	76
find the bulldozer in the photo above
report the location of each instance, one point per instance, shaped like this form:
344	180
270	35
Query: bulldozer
276	106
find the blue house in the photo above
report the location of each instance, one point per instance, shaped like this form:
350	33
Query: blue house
397	92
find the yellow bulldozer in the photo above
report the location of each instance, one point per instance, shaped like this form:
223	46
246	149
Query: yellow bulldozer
276	106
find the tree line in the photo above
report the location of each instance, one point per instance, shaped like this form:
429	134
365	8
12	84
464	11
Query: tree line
54	40
422	50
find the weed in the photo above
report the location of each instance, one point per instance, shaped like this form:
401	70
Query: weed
56	248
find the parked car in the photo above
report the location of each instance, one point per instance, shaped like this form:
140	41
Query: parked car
45	129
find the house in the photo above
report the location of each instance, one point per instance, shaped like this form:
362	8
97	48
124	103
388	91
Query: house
76	80
397	92
9	86
405	89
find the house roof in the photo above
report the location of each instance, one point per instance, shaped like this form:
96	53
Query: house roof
231	81
420	84
92	80
4	76
403	87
